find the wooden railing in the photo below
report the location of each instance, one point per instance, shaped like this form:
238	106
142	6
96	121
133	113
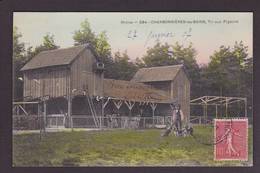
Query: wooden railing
112	121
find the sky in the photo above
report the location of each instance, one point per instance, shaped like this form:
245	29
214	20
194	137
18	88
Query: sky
135	32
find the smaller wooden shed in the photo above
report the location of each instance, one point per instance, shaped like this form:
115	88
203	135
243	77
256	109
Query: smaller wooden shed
172	79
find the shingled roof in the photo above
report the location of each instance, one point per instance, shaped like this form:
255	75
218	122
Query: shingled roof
54	57
161	73
128	90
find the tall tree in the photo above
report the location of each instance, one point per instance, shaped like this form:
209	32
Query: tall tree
18	61
84	34
18	46
139	63
99	42
158	55
103	48
229	73
48	43
226	69
123	69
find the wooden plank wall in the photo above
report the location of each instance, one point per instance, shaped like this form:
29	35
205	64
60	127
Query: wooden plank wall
181	91
161	85
82	74
47	81
60	80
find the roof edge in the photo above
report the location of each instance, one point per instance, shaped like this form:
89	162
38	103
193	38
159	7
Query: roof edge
84	46
180	65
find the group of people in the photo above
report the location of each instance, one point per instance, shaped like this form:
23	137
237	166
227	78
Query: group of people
176	124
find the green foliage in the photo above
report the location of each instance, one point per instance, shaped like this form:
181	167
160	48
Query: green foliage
102	46
158	56
117	148
18	61
226	70
18	46
84	34
123	68
99	42
139	63
47	44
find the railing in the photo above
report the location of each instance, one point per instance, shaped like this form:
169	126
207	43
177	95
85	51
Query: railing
36	122
33	122
112	121
55	121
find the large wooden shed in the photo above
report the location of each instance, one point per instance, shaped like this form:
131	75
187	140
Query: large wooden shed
172	79
57	73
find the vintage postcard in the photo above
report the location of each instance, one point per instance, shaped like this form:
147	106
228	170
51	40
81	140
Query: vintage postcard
132	89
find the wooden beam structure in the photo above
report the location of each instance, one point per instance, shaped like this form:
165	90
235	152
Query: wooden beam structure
216	101
153	106
24	103
118	104
130	105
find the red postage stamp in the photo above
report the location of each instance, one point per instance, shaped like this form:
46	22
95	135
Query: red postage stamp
231	139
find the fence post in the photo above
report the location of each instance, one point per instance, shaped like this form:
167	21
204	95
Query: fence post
71	122
57	122
44	115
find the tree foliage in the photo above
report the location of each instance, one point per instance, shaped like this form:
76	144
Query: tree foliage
158	56
230	73
18	46
18	61
99	42
123	69
226	69
84	34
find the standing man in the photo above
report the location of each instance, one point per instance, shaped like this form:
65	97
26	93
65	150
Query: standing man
177	118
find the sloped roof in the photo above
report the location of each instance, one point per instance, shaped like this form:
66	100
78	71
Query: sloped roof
54	57
128	90
161	73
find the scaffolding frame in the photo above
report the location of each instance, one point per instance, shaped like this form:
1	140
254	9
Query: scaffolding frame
216	101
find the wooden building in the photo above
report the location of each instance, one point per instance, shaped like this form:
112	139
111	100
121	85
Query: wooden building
56	73
171	79
72	82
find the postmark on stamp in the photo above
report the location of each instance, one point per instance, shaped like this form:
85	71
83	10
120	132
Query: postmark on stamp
231	139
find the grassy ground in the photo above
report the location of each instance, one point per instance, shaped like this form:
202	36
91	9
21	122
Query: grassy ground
118	148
